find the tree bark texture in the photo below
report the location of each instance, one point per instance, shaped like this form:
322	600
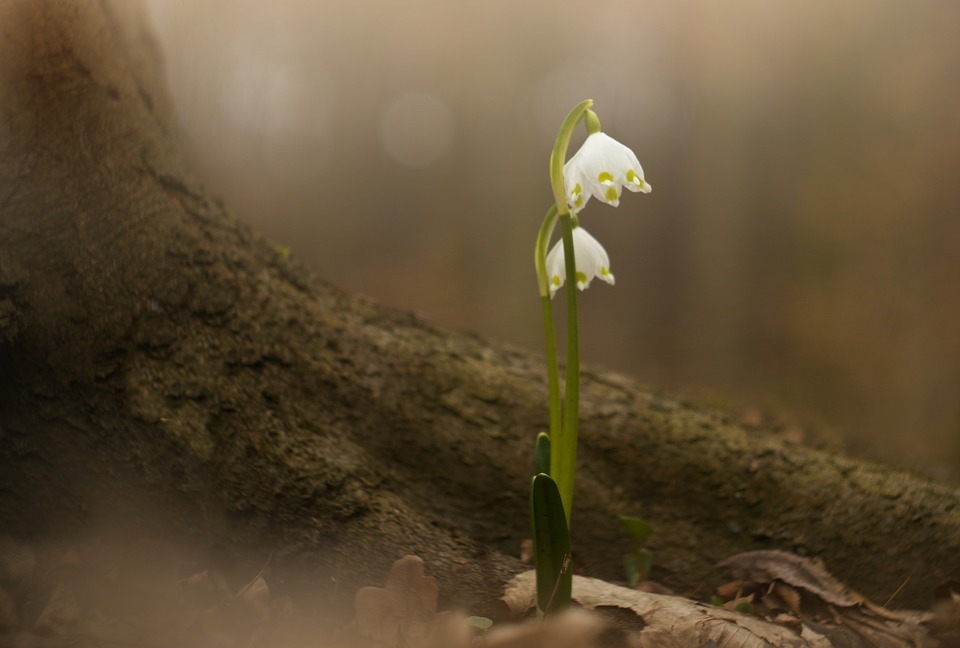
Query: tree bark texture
164	366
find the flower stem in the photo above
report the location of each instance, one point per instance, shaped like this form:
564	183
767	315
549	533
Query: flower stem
543	281
559	153
591	122
563	457
540	250
553	369
563	454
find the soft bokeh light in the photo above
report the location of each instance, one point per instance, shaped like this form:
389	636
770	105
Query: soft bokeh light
417	130
799	251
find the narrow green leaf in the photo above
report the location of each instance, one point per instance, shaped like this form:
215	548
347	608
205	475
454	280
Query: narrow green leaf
541	459
551	545
645	560
632	569
559	154
637	528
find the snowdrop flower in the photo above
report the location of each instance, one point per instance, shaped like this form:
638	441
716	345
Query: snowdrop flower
591	261
602	167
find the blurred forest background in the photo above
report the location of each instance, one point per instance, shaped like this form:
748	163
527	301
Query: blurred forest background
800	252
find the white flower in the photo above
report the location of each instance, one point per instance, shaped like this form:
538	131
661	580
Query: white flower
591	261
602	167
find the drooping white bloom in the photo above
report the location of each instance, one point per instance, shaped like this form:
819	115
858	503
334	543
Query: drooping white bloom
602	167
591	261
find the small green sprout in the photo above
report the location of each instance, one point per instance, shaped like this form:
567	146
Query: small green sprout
637	563
479	623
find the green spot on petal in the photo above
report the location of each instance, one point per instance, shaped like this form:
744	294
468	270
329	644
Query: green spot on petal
581	278
605	177
612	194
556	280
633	178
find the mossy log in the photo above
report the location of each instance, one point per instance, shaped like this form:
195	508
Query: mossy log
164	366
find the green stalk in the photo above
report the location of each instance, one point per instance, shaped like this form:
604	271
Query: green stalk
553	368
540	250
559	154
563	458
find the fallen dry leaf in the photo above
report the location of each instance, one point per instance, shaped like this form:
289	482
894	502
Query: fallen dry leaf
254	598
663	621
17	562
825	606
9	617
781	596
60	612
732	604
570	629
404	611
674	622
764	567
946	618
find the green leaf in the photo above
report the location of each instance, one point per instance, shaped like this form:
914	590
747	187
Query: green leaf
744	607
541	457
551	545
637	528
479	622
632	569
645	558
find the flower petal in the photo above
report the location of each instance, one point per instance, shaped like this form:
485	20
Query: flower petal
591	261
556	272
602	168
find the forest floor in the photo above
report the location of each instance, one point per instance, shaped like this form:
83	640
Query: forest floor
153	593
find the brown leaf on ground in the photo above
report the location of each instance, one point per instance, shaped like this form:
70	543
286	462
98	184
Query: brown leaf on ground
732	604
674	622
781	596
661	621
17	561
254	598
205	584
60	612
731	590
571	629
765	567
946	615
653	587
827	609
9	617
404	611
526	551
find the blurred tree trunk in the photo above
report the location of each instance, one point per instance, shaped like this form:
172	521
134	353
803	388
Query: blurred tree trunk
163	366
